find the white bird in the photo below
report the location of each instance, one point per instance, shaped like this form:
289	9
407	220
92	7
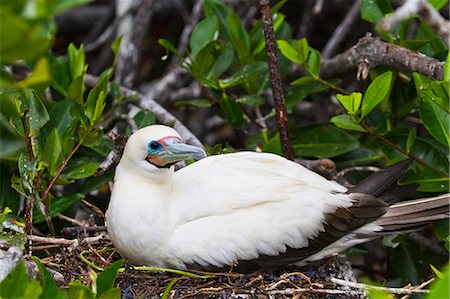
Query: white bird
253	209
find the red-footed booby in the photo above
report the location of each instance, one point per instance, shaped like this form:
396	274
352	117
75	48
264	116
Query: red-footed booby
251	209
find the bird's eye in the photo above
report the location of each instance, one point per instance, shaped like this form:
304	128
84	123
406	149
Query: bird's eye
154	146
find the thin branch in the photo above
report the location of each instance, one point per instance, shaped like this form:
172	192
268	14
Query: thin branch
427	12
401	150
341	31
361	286
59	171
277	87
370	52
119	144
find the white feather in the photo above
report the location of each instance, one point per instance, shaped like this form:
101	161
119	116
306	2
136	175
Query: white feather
216	211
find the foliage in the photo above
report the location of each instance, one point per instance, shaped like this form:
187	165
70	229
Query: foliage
52	123
101	285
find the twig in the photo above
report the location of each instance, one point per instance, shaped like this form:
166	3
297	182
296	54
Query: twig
370	52
119	144
427	12
397	291
75	230
71	220
94	208
48	240
59	171
420	286
341	31
161	113
130	52
306	19
277	87
402	150
292	291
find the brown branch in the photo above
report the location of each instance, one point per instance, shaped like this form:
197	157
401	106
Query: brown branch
401	150
370	52
59	171
277	87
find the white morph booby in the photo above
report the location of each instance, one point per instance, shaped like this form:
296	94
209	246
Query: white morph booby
255	210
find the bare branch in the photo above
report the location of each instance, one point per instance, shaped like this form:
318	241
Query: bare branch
361	286
370	52
277	87
341	31
428	13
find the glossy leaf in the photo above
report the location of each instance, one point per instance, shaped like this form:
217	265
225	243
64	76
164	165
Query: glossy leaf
289	52
447	66
144	118
77	290
222	63
205	32
435	118
39	75
76	60
303	50
202	103
37	115
350	102
323	141
105	280
239	38
221	11
314	63
80	169
347	122
17	284
53	151
374	10
244	73
169	47
234	113
49	286
376	92
251	100
411	138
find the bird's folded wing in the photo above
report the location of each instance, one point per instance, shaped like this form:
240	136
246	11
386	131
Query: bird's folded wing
272	206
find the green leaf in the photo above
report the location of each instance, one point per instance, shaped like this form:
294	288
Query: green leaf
168	288
239	38
323	141
251	100
80	169
53	153
202	103
77	290
115	46
304	87
350	102
105	280
376	92
314	63
40	75
221	11
95	103
289	52
411	138
49	286
169	47
440	288
374	10
57	205
303	49
37	115
245	73
17	285
435	118
447	66
76	90
144	118
347	122
76	61
234	113
64	5
438	273
205	59
205	32
222	63
438	4
113	293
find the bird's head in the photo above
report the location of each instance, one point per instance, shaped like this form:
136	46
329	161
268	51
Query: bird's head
161	146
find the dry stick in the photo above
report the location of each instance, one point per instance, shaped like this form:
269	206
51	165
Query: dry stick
370	52
397	291
401	150
277	88
341	31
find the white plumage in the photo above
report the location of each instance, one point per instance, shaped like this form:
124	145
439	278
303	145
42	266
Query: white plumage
221	209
